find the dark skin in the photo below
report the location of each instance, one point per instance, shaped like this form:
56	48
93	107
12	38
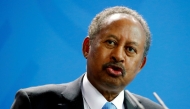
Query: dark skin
115	55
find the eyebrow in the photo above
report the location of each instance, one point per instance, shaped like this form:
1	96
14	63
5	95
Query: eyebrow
112	36
133	43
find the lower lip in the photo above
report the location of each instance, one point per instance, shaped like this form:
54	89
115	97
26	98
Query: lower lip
114	72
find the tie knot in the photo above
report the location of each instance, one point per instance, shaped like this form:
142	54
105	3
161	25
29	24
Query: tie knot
109	105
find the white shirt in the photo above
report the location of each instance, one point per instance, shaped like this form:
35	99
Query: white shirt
93	99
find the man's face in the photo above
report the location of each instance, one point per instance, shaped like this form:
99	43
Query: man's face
115	55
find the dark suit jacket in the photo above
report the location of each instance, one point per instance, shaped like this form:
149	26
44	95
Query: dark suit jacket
65	96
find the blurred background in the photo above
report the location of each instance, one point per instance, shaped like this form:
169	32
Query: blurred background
40	43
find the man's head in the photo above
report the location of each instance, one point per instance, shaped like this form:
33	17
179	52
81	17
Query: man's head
96	24
115	49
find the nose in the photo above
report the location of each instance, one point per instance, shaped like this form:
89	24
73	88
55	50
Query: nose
117	54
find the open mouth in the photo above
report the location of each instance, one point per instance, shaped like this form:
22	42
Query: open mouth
114	70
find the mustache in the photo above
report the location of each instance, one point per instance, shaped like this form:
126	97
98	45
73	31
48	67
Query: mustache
115	65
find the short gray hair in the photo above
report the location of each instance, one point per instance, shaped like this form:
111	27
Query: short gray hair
96	24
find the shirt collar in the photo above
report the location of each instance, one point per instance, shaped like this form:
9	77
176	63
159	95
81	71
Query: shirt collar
118	101
94	99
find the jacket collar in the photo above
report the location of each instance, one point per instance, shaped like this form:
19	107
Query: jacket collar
73	89
73	96
129	103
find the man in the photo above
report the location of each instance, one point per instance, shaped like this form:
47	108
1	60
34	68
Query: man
116	50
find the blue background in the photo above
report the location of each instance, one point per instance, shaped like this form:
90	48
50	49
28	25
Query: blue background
40	43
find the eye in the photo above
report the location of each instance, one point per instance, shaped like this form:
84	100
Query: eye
110	42
130	50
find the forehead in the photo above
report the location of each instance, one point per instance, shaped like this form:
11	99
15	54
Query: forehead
129	19
123	23
124	27
118	16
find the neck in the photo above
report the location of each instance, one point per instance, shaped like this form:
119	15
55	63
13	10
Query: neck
108	95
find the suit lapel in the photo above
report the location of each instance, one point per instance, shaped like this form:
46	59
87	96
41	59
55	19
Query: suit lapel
72	96
128	102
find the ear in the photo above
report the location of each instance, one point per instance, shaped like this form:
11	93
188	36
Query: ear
143	62
86	47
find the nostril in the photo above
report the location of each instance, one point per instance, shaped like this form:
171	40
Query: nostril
113	58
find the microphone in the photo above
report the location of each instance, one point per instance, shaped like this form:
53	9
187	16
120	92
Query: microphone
160	101
135	100
141	106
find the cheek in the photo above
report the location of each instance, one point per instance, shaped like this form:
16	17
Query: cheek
132	65
100	52
132	69
96	58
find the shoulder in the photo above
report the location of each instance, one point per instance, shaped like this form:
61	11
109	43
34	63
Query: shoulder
46	96
42	92
43	89
132	100
49	88
38	96
147	103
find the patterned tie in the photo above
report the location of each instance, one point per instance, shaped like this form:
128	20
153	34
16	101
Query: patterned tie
109	105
